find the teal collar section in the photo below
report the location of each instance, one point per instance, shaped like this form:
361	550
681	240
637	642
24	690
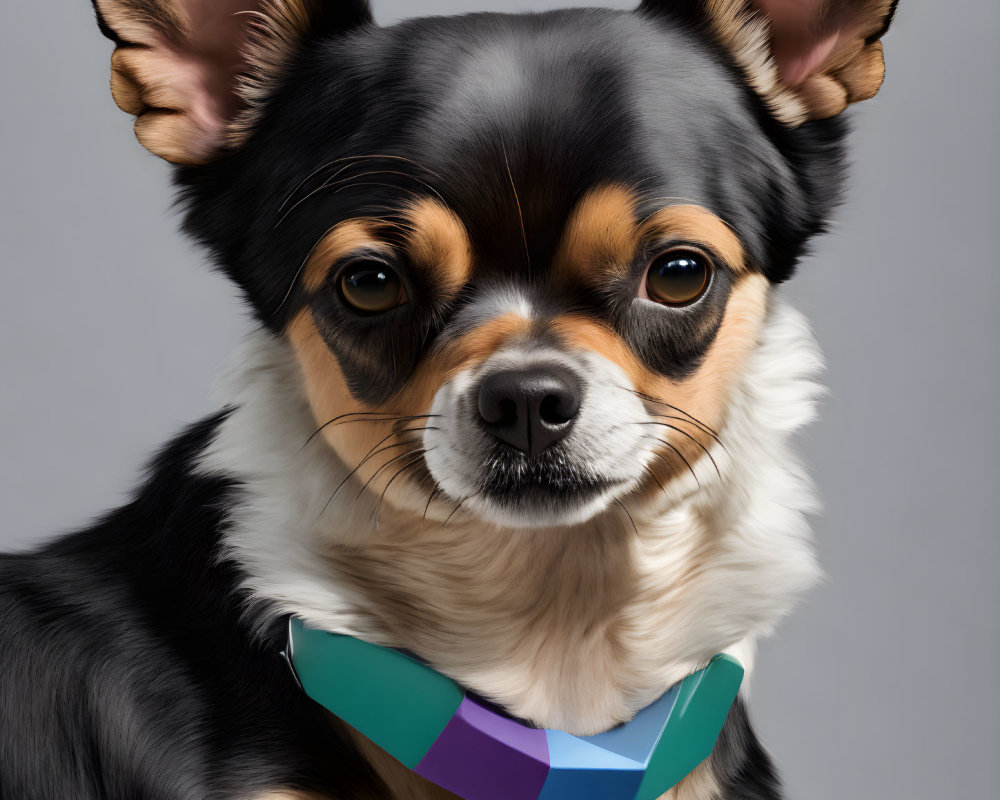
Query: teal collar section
436	728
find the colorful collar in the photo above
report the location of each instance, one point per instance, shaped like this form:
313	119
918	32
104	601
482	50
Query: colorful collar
433	726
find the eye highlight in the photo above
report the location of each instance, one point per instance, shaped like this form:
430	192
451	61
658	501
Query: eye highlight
370	286
677	277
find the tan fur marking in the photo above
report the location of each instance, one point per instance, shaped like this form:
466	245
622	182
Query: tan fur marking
137	20
824	95
700	226
586	333
125	90
348	236
437	241
292	794
603	236
863	76
600	236
328	394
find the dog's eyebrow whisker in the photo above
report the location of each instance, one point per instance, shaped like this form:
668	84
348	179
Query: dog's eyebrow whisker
302	183
305	261
520	213
683	432
352	161
343	183
404	229
387	156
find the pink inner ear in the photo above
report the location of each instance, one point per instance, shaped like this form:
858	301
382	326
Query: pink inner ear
197	72
797	64
798	43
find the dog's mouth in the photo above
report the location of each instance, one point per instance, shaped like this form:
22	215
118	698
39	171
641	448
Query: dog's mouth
547	489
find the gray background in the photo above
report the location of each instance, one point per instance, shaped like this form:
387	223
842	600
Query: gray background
884	684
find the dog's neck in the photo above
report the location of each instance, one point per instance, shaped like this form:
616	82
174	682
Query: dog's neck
571	628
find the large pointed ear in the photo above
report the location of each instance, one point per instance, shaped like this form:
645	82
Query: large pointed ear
192	70
808	59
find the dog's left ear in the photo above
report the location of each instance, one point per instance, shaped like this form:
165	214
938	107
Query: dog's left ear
190	70
808	59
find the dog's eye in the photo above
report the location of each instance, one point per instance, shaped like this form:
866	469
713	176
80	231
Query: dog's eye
678	276
371	286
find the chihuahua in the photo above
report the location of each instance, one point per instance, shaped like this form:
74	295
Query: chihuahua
517	401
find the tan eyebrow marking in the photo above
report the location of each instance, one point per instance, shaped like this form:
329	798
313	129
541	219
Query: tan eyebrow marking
436	240
602	236
431	235
698	225
348	236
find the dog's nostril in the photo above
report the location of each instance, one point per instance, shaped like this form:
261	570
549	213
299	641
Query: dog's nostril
508	413
558	409
529	409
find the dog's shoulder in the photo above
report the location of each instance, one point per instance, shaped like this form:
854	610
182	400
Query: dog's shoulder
96	700
132	667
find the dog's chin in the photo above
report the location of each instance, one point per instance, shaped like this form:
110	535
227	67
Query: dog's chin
536	506
555	489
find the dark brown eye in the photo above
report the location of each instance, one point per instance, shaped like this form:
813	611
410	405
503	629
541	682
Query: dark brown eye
371	286
678	276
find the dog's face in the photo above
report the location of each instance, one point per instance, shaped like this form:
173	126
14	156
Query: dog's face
520	259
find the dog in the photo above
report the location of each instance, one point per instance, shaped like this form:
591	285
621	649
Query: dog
517	401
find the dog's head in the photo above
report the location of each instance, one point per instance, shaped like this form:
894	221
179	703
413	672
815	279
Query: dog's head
521	259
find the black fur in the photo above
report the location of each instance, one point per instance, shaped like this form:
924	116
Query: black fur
741	765
129	668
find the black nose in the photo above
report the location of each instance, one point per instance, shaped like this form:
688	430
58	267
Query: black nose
529	409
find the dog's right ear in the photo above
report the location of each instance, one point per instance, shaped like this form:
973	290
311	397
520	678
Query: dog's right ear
191	71
807	59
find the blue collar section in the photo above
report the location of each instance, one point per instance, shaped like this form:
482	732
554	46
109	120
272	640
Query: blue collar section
442	732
